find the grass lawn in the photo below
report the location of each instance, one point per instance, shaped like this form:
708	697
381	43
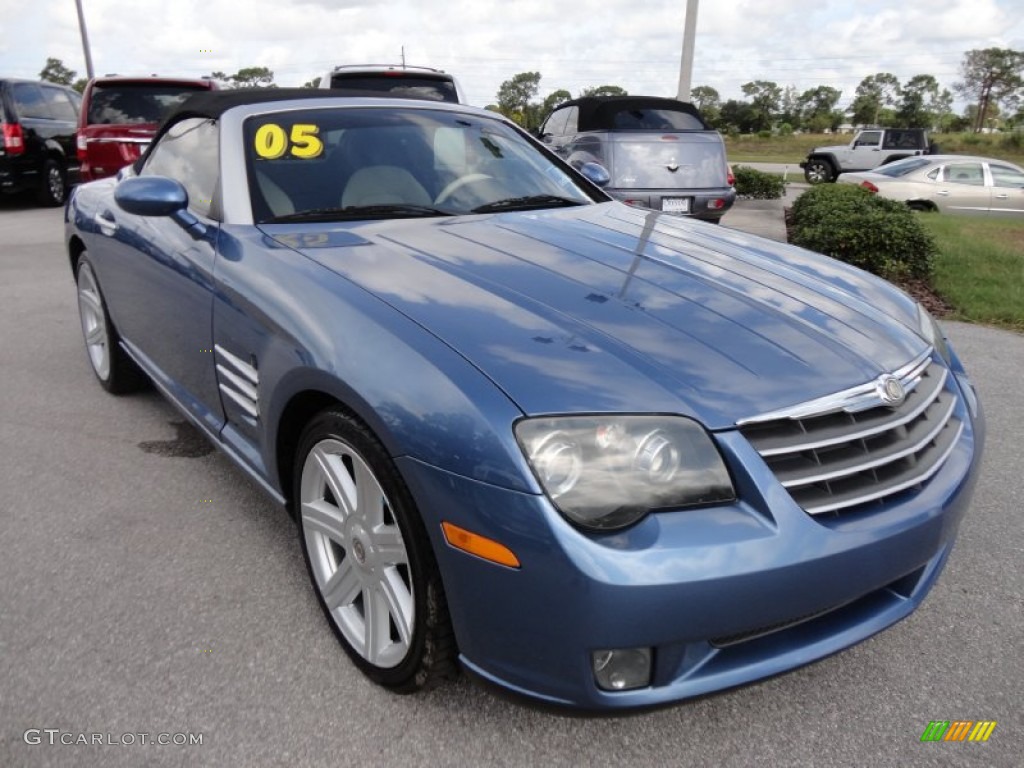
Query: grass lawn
751	148
980	267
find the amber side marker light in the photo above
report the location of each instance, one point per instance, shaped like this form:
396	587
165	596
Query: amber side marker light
478	545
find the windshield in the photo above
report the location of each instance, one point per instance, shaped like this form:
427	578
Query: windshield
371	163
127	103
903	167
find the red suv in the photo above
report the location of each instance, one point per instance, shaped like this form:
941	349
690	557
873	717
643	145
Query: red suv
120	115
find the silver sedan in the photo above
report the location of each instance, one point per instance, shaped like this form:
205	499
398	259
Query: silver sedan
948	183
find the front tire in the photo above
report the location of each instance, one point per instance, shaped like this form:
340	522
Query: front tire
117	373
819	171
369	557
52	185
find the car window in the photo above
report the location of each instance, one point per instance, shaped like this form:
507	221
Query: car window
401	86
895	139
131	103
964	173
555	124
60	105
328	160
30	102
869	139
188	153
656	120
571	121
903	167
1005	176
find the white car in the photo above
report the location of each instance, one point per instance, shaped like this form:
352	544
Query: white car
948	183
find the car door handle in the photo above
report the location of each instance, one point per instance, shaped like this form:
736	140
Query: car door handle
105	221
943	192
1003	196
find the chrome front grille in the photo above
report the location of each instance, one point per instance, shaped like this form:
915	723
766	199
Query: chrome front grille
850	449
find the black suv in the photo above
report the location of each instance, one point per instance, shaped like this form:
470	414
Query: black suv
37	148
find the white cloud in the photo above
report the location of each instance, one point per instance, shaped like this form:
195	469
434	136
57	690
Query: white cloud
802	43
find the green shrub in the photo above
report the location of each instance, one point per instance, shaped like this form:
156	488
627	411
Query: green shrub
1013	141
852	225
785	129
758	185
765	134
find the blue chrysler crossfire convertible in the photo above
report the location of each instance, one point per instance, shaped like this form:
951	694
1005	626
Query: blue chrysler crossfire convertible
601	456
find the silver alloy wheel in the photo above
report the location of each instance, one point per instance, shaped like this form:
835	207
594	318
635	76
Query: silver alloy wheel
358	557
55	183
94	321
818	172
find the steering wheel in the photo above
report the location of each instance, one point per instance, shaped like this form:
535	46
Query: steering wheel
459	183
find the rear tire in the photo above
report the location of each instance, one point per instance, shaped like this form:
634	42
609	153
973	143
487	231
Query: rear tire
52	189
117	373
819	171
369	557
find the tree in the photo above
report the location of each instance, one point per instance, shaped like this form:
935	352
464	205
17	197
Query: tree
515	97
707	101
604	90
56	72
817	106
314	83
942	110
971	116
738	116
874	93
918	102
764	99
989	76
253	77
789	109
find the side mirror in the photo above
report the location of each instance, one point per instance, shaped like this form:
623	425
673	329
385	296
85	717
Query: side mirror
158	196
596	173
151	196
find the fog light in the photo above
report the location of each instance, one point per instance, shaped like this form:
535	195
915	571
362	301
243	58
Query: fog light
717	204
622	669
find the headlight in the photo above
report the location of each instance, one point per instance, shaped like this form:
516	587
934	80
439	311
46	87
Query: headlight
929	329
607	472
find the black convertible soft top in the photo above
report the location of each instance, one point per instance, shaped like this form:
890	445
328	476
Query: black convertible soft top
213	104
604	113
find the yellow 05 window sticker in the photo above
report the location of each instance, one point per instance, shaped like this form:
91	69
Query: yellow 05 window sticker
272	142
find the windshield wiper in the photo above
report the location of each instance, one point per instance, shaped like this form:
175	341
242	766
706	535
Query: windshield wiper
527	203
380	211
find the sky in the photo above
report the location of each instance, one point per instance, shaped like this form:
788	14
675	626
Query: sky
636	45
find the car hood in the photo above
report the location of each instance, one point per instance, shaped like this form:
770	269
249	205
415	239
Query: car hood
607	308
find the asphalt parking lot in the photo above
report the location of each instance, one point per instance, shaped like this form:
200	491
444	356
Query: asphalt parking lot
149	588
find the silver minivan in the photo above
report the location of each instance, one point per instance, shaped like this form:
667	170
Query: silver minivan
659	153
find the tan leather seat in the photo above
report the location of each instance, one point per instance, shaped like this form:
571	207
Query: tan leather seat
383	185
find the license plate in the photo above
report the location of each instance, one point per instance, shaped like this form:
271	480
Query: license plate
675	204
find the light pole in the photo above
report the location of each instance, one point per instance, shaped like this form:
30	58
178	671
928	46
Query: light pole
85	39
686	60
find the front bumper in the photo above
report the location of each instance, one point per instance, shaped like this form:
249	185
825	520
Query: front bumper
724	595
